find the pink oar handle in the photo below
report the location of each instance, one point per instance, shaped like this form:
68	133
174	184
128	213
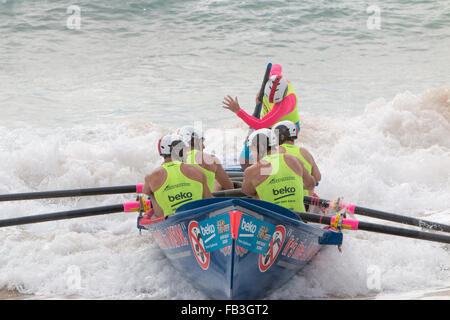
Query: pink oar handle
139	188
349	207
345	224
133	206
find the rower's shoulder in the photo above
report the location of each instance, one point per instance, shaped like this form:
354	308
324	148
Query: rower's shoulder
306	154
281	149
191	171
292	161
158	172
156	178
251	170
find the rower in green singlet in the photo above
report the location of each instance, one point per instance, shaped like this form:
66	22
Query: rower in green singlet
215	174
276	177
174	183
286	132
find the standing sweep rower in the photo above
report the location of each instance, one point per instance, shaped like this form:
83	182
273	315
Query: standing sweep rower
174	183
286	132
212	167
279	103
276	177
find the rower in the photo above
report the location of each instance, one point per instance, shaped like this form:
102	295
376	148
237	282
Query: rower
216	176
279	103
286	132
276	177
174	183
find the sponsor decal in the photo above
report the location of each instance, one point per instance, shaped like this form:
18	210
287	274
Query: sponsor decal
284	179
180	198
179	185
197	244
216	232
267	259
254	234
283	192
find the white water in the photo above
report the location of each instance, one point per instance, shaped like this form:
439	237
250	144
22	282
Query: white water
394	157
85	107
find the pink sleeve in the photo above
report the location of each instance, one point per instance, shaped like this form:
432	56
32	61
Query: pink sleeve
278	111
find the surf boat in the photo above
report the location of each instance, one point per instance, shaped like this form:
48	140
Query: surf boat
237	248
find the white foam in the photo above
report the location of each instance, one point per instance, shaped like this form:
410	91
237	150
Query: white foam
394	157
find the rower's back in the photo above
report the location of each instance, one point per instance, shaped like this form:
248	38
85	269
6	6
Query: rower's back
178	187
281	183
174	183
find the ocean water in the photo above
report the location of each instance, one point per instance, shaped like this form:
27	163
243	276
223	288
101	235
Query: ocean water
87	88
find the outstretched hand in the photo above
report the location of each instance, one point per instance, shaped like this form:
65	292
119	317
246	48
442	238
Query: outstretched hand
231	104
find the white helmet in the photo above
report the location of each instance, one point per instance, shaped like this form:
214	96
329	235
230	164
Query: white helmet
188	133
166	143
262	135
287	128
275	88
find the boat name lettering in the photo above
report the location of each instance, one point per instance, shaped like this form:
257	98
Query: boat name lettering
171	237
299	250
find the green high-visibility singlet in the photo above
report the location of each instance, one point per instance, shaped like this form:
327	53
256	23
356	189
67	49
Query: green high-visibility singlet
210	175
177	189
295	151
283	187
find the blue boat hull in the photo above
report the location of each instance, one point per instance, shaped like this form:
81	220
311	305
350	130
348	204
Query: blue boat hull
238	248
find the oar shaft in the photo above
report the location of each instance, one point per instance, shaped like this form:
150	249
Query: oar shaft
258	107
137	188
402	219
229	193
70	214
372	227
415	234
235	174
71	193
61	215
385	215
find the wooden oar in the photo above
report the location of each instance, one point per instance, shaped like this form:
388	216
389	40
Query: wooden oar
382	215
350	224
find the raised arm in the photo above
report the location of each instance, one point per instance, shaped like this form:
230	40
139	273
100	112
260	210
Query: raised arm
278	111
